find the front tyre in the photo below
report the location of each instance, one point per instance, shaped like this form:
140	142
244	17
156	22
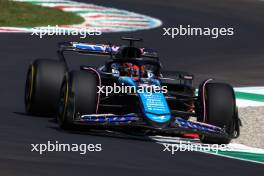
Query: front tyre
219	109
78	96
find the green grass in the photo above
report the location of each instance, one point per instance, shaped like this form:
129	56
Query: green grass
23	14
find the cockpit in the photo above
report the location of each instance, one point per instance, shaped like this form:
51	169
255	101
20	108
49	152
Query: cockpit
130	61
134	70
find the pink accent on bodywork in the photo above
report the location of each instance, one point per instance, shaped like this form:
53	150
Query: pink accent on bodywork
204	103
99	78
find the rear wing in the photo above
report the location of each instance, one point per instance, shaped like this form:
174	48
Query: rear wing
87	48
99	49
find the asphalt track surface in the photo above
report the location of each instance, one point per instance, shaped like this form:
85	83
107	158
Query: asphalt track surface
237	60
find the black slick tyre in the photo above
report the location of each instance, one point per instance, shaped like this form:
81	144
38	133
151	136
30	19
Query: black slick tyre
78	97
220	107
42	90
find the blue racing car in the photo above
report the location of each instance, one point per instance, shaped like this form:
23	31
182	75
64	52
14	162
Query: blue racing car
130	92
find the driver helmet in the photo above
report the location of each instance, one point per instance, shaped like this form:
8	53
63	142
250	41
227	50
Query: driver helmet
132	70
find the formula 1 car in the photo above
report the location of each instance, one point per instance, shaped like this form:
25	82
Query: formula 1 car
130	92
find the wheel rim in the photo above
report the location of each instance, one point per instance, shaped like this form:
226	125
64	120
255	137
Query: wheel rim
63	102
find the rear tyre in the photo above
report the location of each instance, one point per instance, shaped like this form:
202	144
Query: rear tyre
42	90
78	97
220	107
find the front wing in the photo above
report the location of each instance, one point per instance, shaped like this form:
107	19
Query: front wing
177	126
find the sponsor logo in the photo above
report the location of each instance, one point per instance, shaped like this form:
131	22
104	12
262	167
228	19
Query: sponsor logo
60	147
188	30
194	147
126	89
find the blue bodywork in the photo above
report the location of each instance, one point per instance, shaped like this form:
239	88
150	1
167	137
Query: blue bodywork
154	105
110	118
182	123
95	48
